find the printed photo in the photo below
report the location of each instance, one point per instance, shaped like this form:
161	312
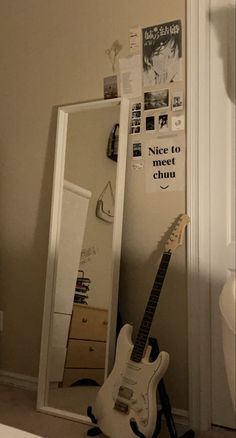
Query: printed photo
110	87
177	101
135	122
150	123
177	123
156	99
163	122
162	53
136	106
136	114
137	150
135	129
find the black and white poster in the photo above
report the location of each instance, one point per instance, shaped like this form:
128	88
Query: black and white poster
162	53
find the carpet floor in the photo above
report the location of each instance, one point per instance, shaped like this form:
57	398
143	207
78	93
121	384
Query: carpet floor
17	409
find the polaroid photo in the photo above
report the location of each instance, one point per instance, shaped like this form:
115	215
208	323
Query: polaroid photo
150	123
135	129
177	123
137	150
177	101
136	165
135	122
156	99
136	106
163	122
136	114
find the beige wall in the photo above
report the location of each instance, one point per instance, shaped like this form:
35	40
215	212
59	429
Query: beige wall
54	53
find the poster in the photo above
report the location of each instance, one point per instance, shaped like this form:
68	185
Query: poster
130	77
110	87
162	53
164	160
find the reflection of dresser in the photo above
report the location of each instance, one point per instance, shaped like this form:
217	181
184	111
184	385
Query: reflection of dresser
85	359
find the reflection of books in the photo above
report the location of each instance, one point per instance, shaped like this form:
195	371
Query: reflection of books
82	281
80	300
81	296
81	288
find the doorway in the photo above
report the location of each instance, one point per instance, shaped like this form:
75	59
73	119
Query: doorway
211	203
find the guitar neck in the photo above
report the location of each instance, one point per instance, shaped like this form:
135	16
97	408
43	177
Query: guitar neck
141	339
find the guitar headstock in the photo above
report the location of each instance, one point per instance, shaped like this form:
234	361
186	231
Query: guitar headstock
176	238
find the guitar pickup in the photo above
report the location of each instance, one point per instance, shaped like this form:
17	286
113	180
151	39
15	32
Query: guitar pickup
125	392
121	407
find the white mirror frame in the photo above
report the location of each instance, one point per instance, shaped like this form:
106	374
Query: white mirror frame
54	233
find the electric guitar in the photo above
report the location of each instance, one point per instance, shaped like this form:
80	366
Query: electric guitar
126	404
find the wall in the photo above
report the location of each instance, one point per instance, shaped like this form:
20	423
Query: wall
54	53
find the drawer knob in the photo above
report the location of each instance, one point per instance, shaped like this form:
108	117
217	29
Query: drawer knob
105	322
84	320
91	349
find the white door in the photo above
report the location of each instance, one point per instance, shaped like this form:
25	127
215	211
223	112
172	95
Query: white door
222	189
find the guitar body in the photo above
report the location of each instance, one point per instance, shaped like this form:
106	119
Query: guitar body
129	392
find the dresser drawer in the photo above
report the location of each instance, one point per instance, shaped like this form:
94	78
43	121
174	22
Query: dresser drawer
85	354
73	375
88	323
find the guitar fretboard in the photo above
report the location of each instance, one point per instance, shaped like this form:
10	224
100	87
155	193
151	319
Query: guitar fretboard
141	339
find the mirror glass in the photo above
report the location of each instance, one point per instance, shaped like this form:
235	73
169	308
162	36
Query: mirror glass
79	329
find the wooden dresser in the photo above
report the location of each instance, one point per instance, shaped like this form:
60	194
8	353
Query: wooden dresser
86	347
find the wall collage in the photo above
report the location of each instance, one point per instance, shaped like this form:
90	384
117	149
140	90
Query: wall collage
152	77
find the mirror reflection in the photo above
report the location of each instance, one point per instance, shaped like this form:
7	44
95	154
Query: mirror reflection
83	283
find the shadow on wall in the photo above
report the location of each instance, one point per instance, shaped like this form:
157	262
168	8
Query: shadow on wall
223	21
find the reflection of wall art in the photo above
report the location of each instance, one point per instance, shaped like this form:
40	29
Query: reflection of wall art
110	87
156	99
177	123
113	52
163	122
105	204
150	123
87	254
177	101
162	53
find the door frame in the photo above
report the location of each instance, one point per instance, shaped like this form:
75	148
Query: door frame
198	208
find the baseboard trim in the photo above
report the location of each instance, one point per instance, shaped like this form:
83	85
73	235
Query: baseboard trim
180	416
18	380
31	383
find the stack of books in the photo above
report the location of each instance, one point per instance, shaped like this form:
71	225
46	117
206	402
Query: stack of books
81	288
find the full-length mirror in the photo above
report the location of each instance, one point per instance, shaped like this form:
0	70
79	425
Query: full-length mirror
79	326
